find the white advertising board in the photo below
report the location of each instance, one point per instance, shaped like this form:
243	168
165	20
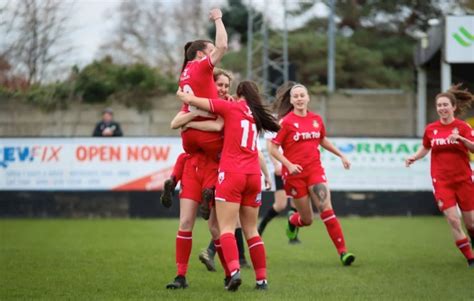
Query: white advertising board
143	164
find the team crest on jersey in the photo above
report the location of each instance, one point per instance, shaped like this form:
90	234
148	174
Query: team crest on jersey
315	124
221	177
297	125
455	131
435	132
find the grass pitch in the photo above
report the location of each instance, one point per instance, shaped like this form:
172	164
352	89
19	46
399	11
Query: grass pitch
115	259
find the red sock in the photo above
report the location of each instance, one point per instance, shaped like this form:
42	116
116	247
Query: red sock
334	230
179	167
218	246
465	247
295	220
230	251
184	243
257	253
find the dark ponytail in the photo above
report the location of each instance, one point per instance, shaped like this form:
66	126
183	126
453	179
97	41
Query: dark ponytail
282	104
185	62
462	99
261	114
191	49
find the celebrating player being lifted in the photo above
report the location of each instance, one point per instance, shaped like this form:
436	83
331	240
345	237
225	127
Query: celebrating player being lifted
238	186
200	167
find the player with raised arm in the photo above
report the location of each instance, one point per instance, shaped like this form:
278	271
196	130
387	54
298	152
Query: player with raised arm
203	148
238	185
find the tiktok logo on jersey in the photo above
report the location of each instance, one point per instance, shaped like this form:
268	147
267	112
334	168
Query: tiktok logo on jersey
306	135
442	141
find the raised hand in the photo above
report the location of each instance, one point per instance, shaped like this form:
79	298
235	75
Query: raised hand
215	14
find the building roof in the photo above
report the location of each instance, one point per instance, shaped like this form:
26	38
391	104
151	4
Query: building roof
427	47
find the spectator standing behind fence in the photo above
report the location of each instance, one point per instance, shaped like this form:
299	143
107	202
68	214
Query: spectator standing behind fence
107	127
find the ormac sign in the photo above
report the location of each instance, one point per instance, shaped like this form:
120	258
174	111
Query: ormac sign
459	39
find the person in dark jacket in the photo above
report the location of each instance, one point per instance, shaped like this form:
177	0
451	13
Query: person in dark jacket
107	127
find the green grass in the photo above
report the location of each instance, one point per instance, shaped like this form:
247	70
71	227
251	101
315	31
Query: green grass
115	259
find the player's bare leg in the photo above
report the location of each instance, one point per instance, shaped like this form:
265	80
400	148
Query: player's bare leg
321	197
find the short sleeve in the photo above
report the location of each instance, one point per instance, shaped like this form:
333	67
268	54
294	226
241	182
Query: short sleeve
269	135
219	106
426	140
281	135
205	65
467	132
323	129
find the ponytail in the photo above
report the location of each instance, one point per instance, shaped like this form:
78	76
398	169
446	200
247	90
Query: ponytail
261	114
185	62
191	49
461	98
282	104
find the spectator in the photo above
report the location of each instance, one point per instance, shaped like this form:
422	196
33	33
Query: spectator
107	127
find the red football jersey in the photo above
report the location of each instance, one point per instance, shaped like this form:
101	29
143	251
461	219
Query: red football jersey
239	153
299	138
449	160
198	77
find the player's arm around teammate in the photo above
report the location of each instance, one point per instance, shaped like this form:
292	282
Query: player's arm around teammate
200	58
239	178
207	125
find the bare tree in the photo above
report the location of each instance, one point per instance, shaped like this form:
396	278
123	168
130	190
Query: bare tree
154	32
34	32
